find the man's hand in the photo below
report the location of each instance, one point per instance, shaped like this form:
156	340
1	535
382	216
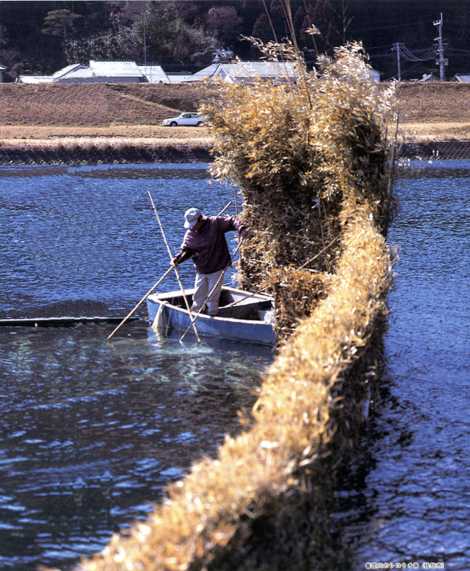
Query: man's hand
182	256
243	232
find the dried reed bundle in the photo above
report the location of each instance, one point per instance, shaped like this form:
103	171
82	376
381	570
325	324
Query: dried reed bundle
311	177
216	505
297	153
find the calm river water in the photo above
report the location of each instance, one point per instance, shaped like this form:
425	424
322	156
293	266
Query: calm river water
409	501
91	432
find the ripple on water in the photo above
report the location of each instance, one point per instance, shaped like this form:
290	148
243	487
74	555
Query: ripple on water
90	431
413	503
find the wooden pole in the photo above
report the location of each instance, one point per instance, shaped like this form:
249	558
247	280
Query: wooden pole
224	208
186	303
140	303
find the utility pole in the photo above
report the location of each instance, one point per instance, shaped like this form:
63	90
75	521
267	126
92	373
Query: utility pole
441	60
397	48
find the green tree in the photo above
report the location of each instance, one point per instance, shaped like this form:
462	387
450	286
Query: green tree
225	24
3	36
59	23
168	37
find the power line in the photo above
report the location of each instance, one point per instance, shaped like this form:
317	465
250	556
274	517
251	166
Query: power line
390	27
401	51
410	56
375	47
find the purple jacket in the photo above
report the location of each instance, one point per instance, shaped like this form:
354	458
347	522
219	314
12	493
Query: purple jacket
208	246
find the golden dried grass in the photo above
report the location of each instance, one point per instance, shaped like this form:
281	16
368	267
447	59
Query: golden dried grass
15	132
432	132
209	519
297	153
292	425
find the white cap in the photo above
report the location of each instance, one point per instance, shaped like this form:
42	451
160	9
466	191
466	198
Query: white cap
191	216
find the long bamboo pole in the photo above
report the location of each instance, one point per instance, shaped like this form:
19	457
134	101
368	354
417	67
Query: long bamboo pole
225	208
178	279
140	303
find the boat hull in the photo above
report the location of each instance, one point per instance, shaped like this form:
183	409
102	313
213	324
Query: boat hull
166	317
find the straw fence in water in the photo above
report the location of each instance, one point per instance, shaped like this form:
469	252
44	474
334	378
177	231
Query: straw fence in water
310	159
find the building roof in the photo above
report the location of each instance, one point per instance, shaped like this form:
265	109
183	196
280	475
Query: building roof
208	71
96	69
115	69
82	72
154	73
66	70
462	77
254	69
248	70
427	77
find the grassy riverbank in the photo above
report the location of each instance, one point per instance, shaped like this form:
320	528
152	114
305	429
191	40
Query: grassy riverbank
51	111
434	111
69	123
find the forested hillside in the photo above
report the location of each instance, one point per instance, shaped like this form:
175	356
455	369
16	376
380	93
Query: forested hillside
40	37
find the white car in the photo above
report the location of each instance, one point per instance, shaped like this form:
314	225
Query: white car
185	119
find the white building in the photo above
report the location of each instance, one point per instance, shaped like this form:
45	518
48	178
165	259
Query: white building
79	74
66	71
462	78
116	72
130	72
102	72
180	78
60	75
374	75
154	73
248	71
35	79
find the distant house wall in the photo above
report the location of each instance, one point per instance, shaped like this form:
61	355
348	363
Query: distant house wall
179	78
375	75
118	79
35	79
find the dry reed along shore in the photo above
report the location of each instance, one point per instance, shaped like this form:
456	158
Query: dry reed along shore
121	123
317	204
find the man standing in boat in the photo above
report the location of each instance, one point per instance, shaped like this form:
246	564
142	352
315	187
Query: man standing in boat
205	243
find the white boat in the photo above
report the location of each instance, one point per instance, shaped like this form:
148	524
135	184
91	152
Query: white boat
242	316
